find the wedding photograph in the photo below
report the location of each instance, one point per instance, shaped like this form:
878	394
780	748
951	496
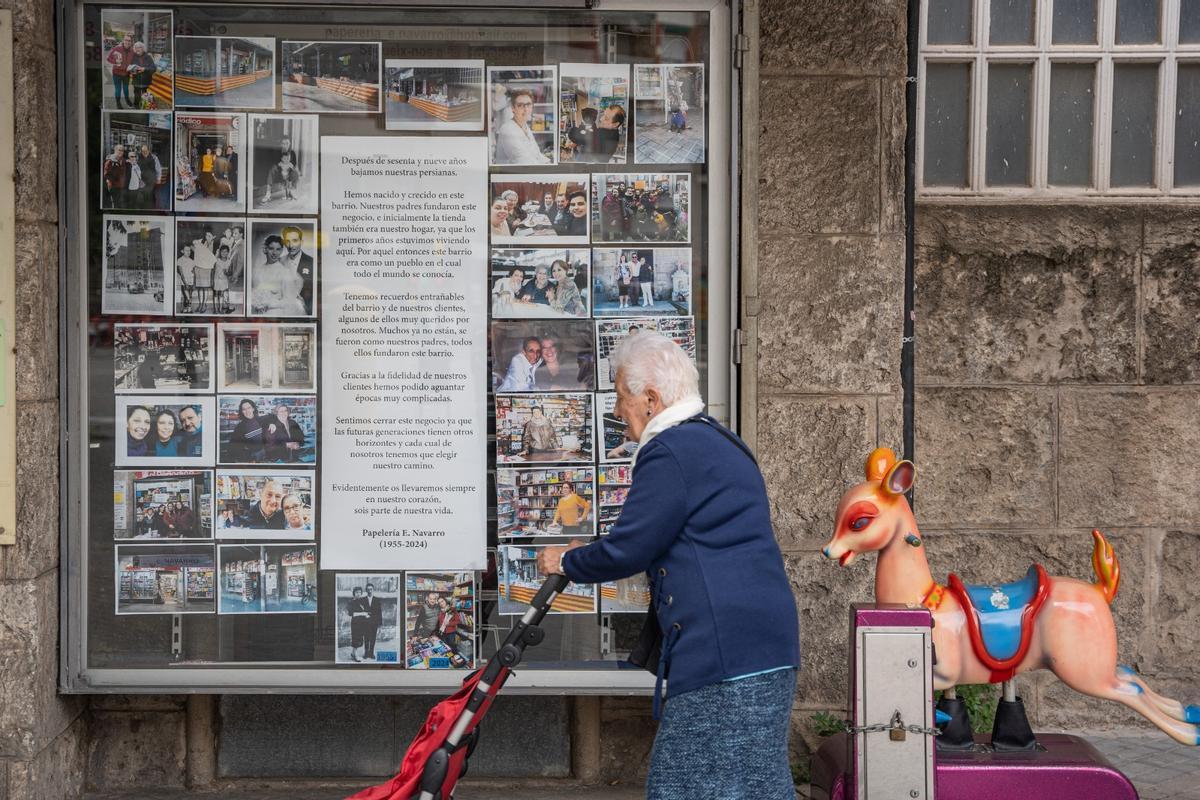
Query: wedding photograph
137	55
266	504
210	160
171	359
165	579
540	283
523	123
164	431
163	504
284	163
283	267
210	266
136	274
368	618
433	94
135	174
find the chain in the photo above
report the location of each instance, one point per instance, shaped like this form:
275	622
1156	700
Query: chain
897	724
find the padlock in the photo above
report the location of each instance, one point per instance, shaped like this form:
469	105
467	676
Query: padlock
897	734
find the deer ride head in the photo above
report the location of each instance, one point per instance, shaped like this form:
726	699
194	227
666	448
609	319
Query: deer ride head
989	633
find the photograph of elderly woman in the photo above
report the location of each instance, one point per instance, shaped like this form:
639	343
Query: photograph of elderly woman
522	128
545	502
137	277
433	94
641	207
554	428
165	579
135	172
541	283
610	332
368	618
654	281
439	620
539	209
164	431
266	504
210	159
268	429
172	359
210	266
593	104
138	56
162	504
543	356
271	579
519	579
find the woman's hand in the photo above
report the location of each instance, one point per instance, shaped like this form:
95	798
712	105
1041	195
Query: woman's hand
549	561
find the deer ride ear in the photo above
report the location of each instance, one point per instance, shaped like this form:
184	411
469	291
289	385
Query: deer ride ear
900	478
879	462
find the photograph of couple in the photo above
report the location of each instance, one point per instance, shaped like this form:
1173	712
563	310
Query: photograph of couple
262	504
653	281
368	618
543	356
283	268
268	429
138	58
166	431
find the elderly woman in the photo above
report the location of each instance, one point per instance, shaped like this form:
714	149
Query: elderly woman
697	520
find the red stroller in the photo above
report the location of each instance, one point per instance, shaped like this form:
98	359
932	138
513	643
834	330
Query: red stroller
437	757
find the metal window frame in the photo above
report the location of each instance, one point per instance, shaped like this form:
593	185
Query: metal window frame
75	677
1169	52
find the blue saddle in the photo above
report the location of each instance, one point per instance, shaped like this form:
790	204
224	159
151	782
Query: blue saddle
1001	611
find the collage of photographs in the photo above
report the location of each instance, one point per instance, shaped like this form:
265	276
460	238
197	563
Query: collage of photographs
209	181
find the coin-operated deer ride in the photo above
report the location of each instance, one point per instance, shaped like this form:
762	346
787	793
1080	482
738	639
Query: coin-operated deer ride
921	635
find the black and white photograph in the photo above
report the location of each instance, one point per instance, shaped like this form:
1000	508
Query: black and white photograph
610	332
439	620
268	429
543	355
641	207
593	102
522	115
225	72
614	444
635	282
668	113
165	579
267	579
163	504
544	428
368	618
283	267
267	356
138	58
164	431
332	77
612	487
136	172
557	501
526	210
170	359
210	266
284	163
541	283
433	94
210	160
266	504
138	278
627	596
519	580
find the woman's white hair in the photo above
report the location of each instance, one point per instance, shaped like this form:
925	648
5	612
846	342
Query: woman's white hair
649	359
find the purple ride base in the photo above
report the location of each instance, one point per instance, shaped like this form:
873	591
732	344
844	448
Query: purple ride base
1068	769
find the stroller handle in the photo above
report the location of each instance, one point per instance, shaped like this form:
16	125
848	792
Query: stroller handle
552	586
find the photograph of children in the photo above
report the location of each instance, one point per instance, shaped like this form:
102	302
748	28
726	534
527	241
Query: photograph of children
165	579
166	504
368	618
266	504
268	429
332	77
172	359
439	620
283	267
668	113
210	151
543	356
519	580
433	95
542	283
225	72
136	173
612	486
137	277
267	356
525	209
615	446
542	428
138	58
210	266
547	502
655	281
610	332
284	166
268	579
627	596
641	208
523	129
593	109
164	431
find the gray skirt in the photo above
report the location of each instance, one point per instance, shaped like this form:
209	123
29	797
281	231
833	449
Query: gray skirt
727	741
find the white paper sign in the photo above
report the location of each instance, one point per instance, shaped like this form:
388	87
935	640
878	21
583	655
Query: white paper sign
404	352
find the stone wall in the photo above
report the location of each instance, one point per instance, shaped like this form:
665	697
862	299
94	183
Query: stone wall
42	736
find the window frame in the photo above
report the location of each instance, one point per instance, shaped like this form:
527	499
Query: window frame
1169	53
